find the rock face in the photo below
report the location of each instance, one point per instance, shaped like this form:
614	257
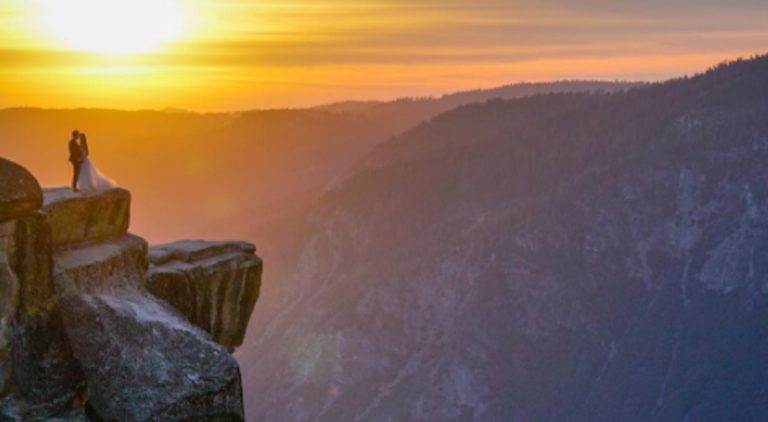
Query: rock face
39	377
148	363
79	332
215	284
114	265
79	217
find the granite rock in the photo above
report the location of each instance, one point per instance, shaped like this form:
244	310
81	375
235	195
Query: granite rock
77	217
144	361
214	284
19	191
39	377
118	264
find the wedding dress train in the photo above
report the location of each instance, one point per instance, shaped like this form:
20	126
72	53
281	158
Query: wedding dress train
91	179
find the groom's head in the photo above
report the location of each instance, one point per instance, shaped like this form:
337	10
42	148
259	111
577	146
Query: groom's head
75	134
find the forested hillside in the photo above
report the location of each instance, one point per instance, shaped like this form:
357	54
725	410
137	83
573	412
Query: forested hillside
563	256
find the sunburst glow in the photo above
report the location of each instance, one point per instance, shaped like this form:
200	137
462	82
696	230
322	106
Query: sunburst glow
112	26
221	55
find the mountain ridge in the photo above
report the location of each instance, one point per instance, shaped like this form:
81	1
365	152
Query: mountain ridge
293	156
564	256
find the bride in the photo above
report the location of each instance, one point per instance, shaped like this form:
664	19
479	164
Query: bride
91	180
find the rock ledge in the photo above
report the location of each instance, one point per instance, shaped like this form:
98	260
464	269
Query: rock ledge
214	284
77	217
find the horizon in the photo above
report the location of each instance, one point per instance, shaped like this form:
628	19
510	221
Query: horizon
385	100
382	100
235	55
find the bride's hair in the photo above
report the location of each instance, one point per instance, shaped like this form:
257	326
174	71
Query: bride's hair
84	143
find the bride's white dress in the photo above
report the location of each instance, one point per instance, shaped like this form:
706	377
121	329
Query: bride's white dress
91	180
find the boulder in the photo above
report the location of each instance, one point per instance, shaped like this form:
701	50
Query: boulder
144	361
77	217
214	284
19	191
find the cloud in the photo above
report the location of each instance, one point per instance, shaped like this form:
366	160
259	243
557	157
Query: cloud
239	47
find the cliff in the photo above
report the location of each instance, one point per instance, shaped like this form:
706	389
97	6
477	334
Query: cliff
214	284
82	336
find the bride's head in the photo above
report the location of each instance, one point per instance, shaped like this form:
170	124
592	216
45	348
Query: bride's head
83	139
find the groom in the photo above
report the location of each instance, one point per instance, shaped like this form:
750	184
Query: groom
76	158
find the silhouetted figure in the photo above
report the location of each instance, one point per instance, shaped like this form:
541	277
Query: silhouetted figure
76	158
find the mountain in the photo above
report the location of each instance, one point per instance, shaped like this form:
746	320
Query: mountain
566	256
253	166
414	110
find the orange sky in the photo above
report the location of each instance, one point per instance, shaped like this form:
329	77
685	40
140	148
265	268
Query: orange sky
242	54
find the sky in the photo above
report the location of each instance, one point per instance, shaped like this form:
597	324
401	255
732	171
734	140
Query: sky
245	54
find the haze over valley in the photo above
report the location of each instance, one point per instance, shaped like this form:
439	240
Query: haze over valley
533	252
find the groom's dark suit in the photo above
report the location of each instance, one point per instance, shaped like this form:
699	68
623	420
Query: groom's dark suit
76	158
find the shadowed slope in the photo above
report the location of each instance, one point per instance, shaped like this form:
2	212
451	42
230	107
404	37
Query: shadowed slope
594	257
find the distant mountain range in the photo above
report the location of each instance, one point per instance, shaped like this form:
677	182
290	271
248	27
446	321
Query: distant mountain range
575	250
570	256
211	169
418	109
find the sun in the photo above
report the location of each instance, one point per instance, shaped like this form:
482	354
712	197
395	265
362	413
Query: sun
112	26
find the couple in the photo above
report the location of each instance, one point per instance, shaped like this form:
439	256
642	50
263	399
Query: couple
85	176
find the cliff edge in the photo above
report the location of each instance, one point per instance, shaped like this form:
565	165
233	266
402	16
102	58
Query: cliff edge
214	284
90	330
